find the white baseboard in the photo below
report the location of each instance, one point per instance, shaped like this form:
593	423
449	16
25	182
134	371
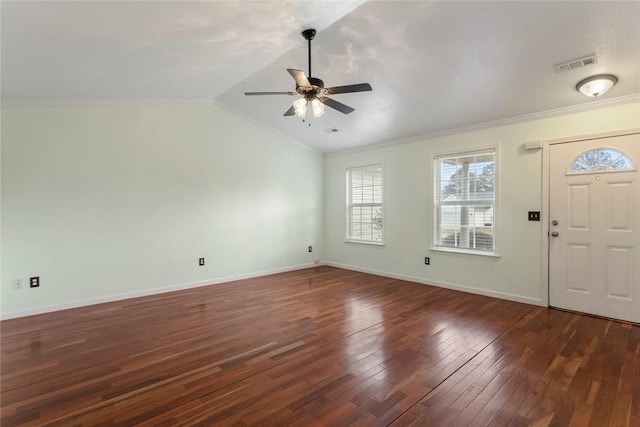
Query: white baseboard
147	292
453	286
181	286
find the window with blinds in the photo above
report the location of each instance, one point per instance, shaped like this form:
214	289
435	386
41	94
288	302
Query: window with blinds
465	201
364	204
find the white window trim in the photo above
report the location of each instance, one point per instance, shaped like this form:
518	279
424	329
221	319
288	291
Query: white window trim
347	223
366	242
496	198
472	252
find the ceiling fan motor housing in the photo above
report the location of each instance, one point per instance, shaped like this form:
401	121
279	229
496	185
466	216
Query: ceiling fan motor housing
316	82
317	86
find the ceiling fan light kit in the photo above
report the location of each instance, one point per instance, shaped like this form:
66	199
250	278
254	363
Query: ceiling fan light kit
312	90
300	107
597	85
317	108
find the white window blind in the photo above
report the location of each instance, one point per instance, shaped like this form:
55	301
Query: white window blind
364	204
465	201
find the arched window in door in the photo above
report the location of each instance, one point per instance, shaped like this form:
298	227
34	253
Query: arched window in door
601	160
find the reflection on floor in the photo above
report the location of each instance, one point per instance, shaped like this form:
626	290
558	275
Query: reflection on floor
322	346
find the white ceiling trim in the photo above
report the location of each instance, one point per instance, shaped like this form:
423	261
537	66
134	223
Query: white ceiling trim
264	126
595	105
53	103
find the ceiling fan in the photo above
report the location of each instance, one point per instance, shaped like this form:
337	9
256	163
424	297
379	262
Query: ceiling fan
312	90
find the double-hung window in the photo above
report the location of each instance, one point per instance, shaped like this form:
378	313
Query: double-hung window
364	204
464	193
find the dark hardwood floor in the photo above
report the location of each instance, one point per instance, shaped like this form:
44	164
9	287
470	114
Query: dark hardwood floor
321	346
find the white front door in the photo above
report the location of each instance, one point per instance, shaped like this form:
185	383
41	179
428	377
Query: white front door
594	221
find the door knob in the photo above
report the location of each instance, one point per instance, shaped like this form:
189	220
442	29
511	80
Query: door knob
554	222
555	233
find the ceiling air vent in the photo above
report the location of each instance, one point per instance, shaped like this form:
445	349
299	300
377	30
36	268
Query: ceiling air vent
576	63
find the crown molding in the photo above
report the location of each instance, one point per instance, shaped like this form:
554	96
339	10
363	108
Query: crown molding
57	103
589	106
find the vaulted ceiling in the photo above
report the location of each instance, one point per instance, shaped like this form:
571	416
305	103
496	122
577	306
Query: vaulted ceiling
434	66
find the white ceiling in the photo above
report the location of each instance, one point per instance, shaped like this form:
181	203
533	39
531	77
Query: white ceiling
434	66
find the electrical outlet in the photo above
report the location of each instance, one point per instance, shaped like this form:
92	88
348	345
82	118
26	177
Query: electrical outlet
310	248
200	261
34	282
427	261
534	215
316	260
17	284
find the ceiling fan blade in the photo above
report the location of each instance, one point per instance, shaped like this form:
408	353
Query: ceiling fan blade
269	93
299	76
360	87
336	105
290	112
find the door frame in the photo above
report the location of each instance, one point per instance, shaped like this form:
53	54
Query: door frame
546	193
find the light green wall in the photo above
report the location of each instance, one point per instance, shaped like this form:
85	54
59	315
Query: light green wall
408	210
114	201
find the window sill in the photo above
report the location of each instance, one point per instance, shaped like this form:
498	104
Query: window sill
465	252
364	242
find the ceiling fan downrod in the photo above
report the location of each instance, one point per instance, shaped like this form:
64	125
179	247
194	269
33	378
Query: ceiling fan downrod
309	35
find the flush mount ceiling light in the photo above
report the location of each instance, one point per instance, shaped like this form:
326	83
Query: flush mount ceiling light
595	86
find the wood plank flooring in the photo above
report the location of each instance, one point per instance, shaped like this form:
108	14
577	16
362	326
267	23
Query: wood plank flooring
318	347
